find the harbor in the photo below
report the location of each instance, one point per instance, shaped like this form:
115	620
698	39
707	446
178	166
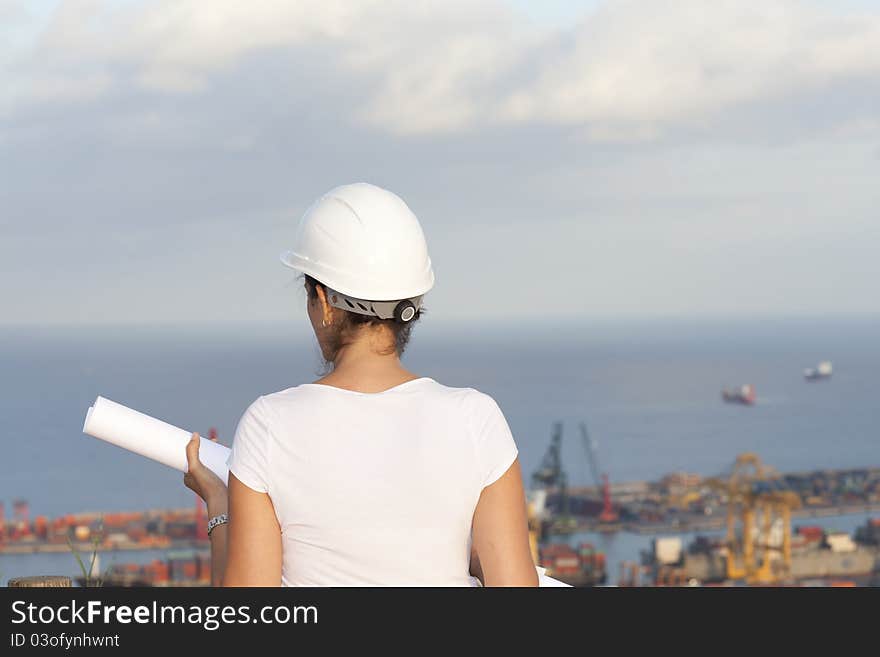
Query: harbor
630	558
752	502
681	519
656	443
100	532
678	502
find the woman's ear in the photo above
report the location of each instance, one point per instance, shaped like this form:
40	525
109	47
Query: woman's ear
326	308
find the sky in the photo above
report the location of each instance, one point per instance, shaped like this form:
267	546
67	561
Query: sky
590	160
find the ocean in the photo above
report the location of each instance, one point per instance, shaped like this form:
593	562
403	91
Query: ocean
649	392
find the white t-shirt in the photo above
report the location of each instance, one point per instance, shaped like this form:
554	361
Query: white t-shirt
373	489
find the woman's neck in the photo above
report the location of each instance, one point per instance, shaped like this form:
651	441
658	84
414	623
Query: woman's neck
362	367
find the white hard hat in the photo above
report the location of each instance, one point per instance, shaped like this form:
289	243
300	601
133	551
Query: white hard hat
363	242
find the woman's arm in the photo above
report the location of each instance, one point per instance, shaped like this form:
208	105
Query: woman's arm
212	490
247	551
501	533
254	553
218	540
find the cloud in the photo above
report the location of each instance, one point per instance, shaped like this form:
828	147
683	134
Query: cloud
654	157
642	64
629	71
11	12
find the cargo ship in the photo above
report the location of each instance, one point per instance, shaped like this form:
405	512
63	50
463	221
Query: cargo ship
818	373
818	557
745	394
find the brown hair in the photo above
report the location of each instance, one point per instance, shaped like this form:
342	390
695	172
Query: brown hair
343	331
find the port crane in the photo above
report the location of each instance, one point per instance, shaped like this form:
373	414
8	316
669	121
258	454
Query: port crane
754	495
551	475
608	514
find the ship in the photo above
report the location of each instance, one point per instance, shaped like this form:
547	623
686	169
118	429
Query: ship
818	557
745	394
818	373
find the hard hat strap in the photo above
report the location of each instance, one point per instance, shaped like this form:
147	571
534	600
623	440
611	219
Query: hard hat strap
380	309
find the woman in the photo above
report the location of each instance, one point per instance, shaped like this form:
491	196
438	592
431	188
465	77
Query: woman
372	475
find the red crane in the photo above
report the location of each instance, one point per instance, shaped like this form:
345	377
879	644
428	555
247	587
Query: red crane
608	513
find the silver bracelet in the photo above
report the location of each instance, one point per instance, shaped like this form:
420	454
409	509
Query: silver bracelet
216	521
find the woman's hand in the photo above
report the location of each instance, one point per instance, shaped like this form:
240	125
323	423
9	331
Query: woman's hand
202	481
210	488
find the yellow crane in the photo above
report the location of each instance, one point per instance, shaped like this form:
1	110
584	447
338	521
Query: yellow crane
753	499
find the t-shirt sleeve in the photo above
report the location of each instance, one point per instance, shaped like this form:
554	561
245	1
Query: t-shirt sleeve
249	458
496	449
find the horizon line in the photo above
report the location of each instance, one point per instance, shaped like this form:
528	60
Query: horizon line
512	322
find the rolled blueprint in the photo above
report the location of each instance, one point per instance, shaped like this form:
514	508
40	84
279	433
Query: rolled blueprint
147	436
